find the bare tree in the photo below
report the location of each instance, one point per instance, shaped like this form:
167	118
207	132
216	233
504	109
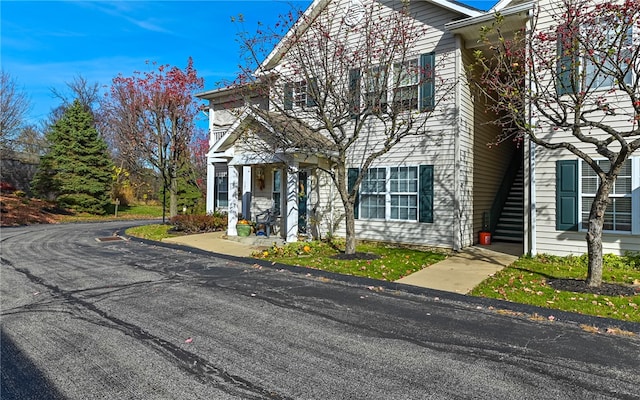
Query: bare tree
349	84
14	105
578	75
88	94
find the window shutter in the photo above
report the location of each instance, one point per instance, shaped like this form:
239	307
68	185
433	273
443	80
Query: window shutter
567	195
427	81
354	92
426	193
352	177
288	96
565	69
313	93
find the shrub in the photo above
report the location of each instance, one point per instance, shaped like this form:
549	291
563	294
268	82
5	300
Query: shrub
7	187
192	223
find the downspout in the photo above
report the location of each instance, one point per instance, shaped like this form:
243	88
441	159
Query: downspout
456	150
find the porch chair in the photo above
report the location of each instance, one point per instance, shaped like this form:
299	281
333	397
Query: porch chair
267	218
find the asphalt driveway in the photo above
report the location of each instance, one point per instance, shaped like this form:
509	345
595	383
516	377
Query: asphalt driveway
84	319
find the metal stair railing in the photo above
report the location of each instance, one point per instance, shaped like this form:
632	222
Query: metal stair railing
503	192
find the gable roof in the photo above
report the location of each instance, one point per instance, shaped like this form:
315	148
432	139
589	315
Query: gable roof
515	17
317	6
276	128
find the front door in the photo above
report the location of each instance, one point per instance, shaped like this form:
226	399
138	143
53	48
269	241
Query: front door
302	202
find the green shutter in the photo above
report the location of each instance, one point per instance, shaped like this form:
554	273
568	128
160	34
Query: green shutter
567	195
313	94
426	193
566	64
427	81
288	96
354	92
352	177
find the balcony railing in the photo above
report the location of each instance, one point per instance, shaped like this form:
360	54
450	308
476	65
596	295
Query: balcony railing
216	135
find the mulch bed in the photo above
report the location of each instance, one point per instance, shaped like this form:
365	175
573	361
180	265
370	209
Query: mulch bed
356	256
605	289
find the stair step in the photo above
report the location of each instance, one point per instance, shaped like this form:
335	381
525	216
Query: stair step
508	239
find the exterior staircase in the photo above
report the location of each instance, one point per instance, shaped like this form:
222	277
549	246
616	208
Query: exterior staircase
510	226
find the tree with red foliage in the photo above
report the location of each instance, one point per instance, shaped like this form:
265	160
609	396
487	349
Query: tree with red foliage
571	83
151	118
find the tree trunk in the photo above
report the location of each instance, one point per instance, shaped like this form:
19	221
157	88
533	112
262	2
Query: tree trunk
594	234
173	196
350	232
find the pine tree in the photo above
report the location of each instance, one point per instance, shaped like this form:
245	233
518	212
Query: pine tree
76	170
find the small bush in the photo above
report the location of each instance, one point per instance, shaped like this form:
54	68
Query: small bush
191	223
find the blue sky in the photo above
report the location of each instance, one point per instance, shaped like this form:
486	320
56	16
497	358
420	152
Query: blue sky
44	44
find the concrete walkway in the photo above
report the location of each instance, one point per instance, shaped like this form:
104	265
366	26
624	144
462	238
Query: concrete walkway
459	273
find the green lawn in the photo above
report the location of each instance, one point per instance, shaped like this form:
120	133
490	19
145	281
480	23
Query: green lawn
139	211
151	232
526	281
392	263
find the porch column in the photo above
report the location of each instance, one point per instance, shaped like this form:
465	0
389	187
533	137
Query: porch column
232	216
246	192
211	178
292	203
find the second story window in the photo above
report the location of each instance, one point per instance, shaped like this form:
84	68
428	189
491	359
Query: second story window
406	80
412	83
300	94
593	56
375	89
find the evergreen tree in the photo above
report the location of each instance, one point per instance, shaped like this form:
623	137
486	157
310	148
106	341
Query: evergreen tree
76	170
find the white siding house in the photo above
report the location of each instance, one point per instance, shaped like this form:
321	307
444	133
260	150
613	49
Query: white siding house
509	190
558	185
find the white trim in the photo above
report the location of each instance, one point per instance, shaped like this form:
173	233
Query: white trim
635	199
457	207
292	203
454	26
232	215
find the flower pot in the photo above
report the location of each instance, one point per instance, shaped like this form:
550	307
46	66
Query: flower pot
243	229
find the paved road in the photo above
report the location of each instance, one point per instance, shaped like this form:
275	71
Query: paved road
83	319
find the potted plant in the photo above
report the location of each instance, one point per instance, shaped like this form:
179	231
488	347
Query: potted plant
243	227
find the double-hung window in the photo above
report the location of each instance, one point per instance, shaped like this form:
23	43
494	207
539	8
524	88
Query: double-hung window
373	193
395	193
301	94
276	191
410	84
221	185
618	215
375	89
406	80
576	187
597	58
403	191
